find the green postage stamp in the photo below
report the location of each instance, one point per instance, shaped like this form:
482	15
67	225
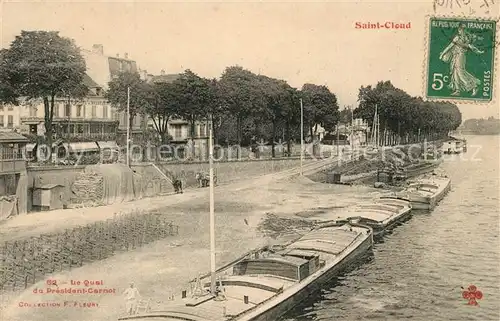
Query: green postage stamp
461	59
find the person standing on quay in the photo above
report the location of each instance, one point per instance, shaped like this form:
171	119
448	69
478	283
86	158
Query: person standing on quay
131	297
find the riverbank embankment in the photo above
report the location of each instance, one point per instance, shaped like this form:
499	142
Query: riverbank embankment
163	267
358	167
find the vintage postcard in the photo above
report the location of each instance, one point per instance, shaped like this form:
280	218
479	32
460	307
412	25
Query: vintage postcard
249	160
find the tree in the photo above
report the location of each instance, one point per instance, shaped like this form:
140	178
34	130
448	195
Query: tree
292	117
42	65
404	116
195	96
8	93
345	116
141	94
279	105
217	109
320	108
241	94
163	105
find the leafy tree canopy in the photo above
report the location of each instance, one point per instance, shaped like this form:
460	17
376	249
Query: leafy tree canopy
320	106
401	113
141	93
8	93
43	64
196	95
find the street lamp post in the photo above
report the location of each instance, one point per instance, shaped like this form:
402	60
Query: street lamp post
301	136
128	126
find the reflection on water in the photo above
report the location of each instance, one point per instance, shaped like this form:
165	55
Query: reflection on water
419	270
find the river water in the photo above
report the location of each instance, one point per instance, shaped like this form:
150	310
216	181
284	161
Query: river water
419	270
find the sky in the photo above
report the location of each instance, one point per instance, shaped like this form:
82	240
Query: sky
300	42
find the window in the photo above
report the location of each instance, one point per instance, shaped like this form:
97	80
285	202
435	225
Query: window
94	111
1	121
105	111
1	106
177	131
67	110
203	130
98	91
10	107
9	181
79	129
32	110
10	121
79	111
56	110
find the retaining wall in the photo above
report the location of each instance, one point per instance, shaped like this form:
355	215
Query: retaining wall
152	183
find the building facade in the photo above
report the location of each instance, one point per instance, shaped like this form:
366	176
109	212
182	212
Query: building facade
102	69
93	118
13	175
89	119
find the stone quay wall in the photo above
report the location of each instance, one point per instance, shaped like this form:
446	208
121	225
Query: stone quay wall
152	183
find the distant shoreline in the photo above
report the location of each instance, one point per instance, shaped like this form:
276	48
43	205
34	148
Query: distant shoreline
479	133
490	126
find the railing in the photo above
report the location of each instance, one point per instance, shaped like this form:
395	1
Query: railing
72	138
75	119
11	155
88	137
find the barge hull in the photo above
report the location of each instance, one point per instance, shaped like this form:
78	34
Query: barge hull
290	302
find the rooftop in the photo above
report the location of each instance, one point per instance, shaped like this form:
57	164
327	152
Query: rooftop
168	78
12	137
89	82
101	68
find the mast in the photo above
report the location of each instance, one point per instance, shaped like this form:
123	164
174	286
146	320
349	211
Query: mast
377	128
301	136
128	126
374	129
352	127
212	215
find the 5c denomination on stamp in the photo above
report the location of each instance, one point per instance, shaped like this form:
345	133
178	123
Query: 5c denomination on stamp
460	59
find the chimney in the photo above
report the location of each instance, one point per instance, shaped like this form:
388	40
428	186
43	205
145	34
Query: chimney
162	72
117	55
126	55
98	49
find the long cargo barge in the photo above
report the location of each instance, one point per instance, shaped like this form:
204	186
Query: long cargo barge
268	282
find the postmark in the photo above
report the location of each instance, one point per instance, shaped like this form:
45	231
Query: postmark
460	59
467	7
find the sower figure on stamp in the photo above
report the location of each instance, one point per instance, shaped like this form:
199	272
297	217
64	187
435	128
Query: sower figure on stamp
455	54
131	298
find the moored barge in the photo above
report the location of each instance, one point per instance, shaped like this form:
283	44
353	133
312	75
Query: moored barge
382	216
268	282
426	193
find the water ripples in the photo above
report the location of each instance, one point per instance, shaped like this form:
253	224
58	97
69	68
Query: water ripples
419	271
